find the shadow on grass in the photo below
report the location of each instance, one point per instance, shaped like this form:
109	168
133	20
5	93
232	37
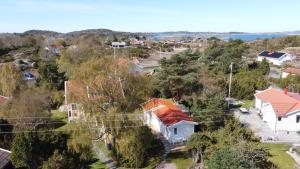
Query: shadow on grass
177	155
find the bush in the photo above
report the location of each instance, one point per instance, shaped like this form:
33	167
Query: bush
135	146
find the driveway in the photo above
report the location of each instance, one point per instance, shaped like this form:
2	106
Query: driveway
263	131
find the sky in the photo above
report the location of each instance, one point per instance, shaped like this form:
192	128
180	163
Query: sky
150	15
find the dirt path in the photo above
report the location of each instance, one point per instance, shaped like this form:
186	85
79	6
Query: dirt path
166	166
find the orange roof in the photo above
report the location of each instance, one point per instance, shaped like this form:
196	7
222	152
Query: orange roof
166	111
3	99
282	103
292	70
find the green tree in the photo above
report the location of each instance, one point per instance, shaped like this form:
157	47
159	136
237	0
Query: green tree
211	109
134	146
197	144
50	77
241	156
264	67
10	79
30	149
246	82
58	161
179	75
220	56
292	82
5	138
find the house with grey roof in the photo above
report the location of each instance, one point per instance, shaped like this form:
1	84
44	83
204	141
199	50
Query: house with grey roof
276	58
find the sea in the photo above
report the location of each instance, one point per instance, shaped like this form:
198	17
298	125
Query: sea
251	37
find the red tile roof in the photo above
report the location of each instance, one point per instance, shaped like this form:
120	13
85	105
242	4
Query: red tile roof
166	111
292	70
3	99
282	103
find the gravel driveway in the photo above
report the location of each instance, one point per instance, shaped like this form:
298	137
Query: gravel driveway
263	131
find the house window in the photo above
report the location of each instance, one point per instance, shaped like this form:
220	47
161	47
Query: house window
175	131
297	119
74	107
70	114
279	118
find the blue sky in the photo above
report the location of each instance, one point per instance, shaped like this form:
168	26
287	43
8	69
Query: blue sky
150	15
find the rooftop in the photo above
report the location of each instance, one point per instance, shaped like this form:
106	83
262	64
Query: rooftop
292	70
3	99
166	111
282	102
271	54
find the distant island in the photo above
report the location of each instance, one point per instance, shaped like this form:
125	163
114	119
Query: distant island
245	36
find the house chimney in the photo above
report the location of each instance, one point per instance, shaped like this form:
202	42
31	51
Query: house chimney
286	90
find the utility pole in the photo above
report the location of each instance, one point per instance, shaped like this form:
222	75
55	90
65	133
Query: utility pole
114	53
230	79
160	52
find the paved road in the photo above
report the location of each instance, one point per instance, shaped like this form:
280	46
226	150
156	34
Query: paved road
263	131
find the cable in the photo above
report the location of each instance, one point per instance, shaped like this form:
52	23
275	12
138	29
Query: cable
66	130
114	115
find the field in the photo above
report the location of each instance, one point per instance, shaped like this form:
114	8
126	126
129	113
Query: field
182	160
280	157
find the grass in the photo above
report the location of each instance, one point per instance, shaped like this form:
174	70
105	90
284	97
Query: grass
61	118
298	150
280	157
97	164
247	104
182	160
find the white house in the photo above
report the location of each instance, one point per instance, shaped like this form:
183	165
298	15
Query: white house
73	93
280	109
118	44
164	117
276	58
290	71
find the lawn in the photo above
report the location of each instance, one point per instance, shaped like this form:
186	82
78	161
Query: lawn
59	116
280	157
60	119
298	150
182	160
247	104
97	164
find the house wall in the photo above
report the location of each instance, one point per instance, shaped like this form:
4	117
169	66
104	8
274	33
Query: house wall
154	123
258	103
184	131
74	115
288	123
284	75
276	61
269	115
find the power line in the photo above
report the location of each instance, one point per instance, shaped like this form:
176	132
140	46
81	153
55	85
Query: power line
108	115
69	130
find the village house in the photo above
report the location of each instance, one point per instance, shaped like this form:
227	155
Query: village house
74	94
276	58
118	44
280	109
290	71
165	117
3	99
144	66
